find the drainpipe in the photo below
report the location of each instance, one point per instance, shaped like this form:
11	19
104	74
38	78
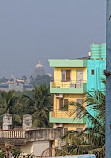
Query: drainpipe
108	82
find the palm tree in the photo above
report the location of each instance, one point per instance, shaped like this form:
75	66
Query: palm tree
93	137
9	103
38	103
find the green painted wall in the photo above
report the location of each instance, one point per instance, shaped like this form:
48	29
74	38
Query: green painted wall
69	90
67	63
65	120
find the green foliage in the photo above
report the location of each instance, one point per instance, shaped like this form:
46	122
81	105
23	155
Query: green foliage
37	102
16	151
2	153
24	78
93	137
39	80
29	156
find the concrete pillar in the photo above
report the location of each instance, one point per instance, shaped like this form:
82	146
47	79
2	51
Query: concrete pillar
108	82
7	121
27	121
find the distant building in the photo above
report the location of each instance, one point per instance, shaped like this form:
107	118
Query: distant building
16	85
39	70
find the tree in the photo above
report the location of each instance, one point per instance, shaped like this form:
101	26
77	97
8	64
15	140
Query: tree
9	103
16	151
39	80
92	137
24	78
2	153
38	104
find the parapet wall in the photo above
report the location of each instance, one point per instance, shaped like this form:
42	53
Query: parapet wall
77	156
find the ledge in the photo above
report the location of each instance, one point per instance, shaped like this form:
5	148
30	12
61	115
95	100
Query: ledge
67	63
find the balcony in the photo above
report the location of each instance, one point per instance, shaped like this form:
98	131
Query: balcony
15	137
21	137
77	87
10	134
64	117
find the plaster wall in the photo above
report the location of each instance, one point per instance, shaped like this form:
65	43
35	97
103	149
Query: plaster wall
57	74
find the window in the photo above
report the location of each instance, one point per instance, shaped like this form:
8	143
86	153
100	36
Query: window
66	75
78	109
60	104
92	72
63	104
63	75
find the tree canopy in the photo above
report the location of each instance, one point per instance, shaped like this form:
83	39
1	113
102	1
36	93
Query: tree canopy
37	102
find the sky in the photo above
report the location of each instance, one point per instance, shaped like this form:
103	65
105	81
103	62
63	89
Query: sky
33	30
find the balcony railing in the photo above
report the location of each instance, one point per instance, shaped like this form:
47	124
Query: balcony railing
72	86
65	117
31	135
12	134
64	114
68	84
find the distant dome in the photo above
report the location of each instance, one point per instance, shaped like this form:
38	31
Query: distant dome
39	70
39	65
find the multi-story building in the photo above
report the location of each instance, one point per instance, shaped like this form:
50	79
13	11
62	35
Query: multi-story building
95	74
96	66
69	85
72	80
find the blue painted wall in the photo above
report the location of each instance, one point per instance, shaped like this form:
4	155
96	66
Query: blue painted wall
94	82
97	63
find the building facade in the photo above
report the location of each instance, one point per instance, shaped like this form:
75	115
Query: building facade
96	66
69	86
73	79
95	73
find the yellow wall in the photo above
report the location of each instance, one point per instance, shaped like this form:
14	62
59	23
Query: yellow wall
57	73
71	108
71	126
71	97
74	126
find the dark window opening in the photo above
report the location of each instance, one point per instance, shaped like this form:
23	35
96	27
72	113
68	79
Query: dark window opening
92	72
66	75
78	108
63	104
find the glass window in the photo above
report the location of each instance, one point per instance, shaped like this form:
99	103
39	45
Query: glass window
63	75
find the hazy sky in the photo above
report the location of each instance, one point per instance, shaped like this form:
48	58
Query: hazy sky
32	30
